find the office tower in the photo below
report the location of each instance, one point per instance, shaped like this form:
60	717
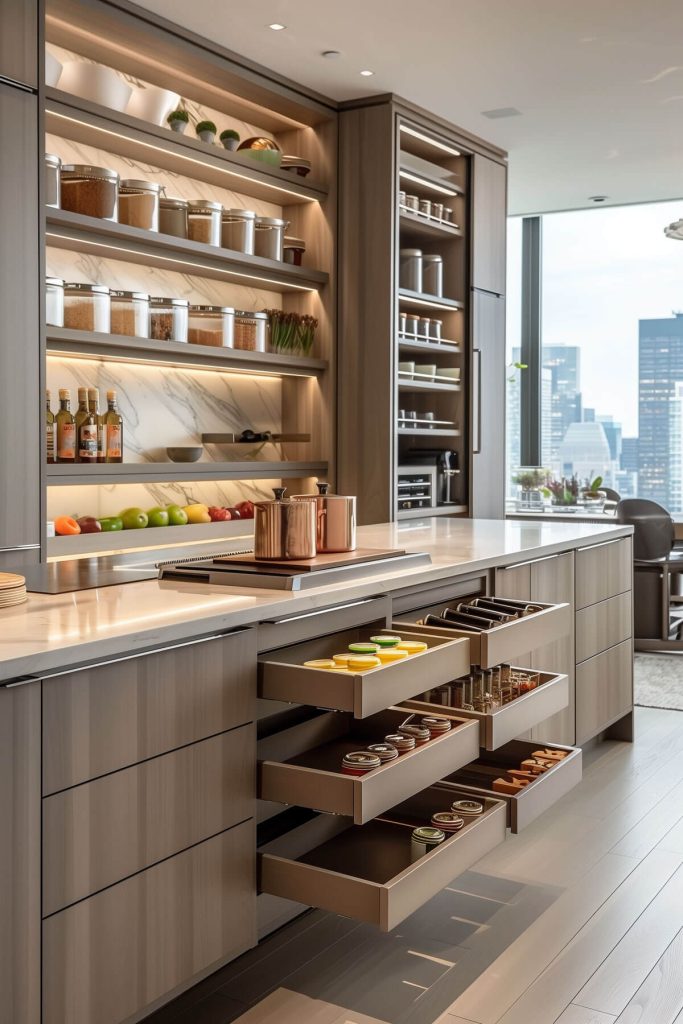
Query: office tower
585	451
612	430
629	454
564	363
660	371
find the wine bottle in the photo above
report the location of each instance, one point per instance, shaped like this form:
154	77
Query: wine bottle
66	428
114	430
86	430
94	408
80	416
51	449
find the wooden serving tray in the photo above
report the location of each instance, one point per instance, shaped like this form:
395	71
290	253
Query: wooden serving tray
333	561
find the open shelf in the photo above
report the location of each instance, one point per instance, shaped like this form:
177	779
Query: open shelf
92	345
428	432
91	124
420	180
425	385
428	513
170	472
408	298
424	227
151	537
94	236
440	348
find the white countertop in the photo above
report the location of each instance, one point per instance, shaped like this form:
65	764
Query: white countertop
54	631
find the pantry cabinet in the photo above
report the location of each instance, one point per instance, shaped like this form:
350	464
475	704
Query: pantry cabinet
20	31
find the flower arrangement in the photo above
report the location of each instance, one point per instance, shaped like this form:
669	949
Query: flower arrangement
291	332
564	491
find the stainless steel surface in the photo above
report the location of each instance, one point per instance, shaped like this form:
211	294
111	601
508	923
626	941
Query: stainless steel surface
335	520
284	529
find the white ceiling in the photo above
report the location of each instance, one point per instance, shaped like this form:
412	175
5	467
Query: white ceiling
599	83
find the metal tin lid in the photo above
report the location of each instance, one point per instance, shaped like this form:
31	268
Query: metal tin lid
449	821
136	185
401	742
139	296
432	258
436	723
294	243
361	759
203	206
418	732
430	836
56	282
87	289
470	807
238	214
384	751
157	300
212	310
245	314
170	203
410	252
88	171
52	160
271	222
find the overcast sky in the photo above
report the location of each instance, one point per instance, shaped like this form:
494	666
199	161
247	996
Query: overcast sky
603	270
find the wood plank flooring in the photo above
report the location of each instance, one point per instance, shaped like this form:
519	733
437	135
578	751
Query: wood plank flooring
578	920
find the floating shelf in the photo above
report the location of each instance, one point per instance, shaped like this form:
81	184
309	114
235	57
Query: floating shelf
150	537
105	238
423	227
93	125
408	298
419	180
236	439
425	385
428	513
172	472
91	345
439	348
426	432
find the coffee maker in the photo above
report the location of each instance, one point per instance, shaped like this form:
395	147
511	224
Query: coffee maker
447	471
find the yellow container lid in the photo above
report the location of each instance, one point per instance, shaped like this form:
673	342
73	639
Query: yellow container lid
411	646
361	662
390	654
322	663
342	659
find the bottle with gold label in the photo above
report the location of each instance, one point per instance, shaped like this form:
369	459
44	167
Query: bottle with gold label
86	429
51	448
66	428
94	408
81	414
114	430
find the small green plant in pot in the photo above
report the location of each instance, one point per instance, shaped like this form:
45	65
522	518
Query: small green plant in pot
206	131
564	492
230	138
531	482
178	120
591	495
291	332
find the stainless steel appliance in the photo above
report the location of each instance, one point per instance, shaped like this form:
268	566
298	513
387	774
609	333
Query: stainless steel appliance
447	466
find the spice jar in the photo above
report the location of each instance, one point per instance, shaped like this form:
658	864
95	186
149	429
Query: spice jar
447	821
139	204
437	210
436	724
425	207
52	168
384	751
410	269
204	221
412	203
250	330
423	326
269	237
92	191
130	313
412	323
435	328
402	743
168	319
359	762
432	275
54	302
418	732
173	217
237	230
86	307
468	808
401	323
211	325
293	250
423	840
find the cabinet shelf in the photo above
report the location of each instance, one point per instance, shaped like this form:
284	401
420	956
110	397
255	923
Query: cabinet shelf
423	385
428	432
409	298
122	348
440	348
105	238
171	472
91	124
427	513
151	537
420	180
423	227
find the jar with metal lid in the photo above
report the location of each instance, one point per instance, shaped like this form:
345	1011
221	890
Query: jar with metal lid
92	191
237	230
54	302
168	319
448	214
173	216
412	203
139	203
436	724
437	210
130	313
423	325
384	751
468	808
269	239
293	250
412	324
52	168
87	307
447	821
360	762
211	325
204	221
403	744
425	207
432	274
410	269
435	326
423	840
401	323
418	732
401	197
250	330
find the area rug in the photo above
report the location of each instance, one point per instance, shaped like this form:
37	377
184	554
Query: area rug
659	680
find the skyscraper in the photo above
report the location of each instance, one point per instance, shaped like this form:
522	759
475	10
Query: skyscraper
660	371
585	451
564	363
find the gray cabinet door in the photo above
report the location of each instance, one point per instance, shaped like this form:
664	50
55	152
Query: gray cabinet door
489	224
19	41
21	447
488	406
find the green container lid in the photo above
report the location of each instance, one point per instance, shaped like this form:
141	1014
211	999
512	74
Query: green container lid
363	648
385	640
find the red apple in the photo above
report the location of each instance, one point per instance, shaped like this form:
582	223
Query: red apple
219	515
246	509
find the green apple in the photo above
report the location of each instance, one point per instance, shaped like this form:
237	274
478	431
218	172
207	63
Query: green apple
176	515
157	517
111	523
134	519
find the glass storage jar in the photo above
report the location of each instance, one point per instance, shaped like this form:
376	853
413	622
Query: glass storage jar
130	313
250	330
432	275
412	322
92	191
54	302
293	250
139	204
410	269
211	325
435	329
52	190
173	217
204	221
269	237
237	230
168	319
87	307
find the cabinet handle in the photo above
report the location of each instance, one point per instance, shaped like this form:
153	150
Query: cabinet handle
476	401
20	547
320	611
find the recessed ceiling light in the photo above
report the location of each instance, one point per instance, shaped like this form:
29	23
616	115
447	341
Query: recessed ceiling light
277	27
598	199
367	73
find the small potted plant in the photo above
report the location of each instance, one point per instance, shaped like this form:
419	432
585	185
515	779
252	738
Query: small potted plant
565	492
591	495
206	131
230	138
178	120
530	481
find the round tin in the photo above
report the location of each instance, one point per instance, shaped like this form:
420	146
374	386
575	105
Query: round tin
423	840
436	724
468	808
359	762
448	821
418	733
402	743
384	751
342	659
322	663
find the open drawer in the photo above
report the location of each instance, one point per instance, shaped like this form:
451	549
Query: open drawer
531	801
283	676
503	724
365	871
302	765
503	643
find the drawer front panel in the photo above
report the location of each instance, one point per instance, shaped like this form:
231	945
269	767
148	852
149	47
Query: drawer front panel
108	957
103	831
602	571
108	717
298	628
603	625
604	690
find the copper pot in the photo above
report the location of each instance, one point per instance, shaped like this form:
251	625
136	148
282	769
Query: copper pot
335	519
284	529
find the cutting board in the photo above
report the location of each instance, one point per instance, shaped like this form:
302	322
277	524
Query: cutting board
333	561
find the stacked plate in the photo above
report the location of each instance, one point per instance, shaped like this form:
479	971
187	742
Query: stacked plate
12	589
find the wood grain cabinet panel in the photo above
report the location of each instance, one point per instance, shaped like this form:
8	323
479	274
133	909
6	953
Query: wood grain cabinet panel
108	957
604	690
99	833
489	217
602	571
100	719
488	394
19	41
552	579
603	625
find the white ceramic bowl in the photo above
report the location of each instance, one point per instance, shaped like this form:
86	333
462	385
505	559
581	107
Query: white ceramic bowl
152	104
95	83
53	69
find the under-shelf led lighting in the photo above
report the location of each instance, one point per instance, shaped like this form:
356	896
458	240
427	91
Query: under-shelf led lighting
106	357
435	304
451	150
409	176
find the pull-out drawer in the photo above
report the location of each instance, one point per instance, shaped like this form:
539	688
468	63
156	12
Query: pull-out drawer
283	676
603	570
365	871
603	625
604	690
531	801
302	765
505	723
503	643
